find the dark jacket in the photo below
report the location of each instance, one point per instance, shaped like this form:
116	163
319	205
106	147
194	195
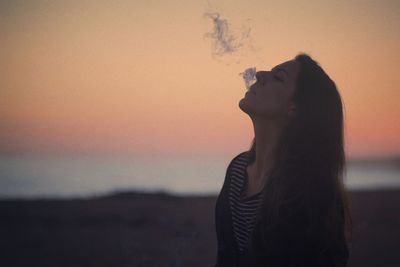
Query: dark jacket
228	253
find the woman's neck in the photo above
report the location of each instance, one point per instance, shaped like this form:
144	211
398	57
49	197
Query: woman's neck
267	134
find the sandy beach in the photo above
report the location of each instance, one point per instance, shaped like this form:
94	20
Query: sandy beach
141	229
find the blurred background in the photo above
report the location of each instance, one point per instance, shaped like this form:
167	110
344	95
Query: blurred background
102	99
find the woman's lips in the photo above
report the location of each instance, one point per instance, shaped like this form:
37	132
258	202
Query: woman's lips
249	93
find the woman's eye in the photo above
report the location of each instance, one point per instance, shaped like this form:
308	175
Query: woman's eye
278	78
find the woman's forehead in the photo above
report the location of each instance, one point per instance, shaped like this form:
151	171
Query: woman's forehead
290	66
290	69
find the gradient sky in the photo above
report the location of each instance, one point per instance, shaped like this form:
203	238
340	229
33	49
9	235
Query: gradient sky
139	77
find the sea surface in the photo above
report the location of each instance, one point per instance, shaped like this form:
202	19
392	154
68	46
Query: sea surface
85	176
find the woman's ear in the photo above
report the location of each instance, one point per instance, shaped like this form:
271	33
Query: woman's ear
292	111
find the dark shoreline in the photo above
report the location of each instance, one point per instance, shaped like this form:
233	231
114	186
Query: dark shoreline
161	229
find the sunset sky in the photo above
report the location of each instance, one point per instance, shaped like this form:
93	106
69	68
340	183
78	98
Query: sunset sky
140	77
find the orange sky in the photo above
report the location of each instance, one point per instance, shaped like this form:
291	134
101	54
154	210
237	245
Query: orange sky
122	77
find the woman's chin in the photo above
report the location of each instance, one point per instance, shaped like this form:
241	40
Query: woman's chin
244	105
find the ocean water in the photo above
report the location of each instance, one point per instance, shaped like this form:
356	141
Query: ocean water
85	176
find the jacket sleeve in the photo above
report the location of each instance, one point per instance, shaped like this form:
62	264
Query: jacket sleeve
220	247
222	251
224	257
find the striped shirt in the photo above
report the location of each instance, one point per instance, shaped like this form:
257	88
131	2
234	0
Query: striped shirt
243	210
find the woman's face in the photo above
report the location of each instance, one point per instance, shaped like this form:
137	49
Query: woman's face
271	96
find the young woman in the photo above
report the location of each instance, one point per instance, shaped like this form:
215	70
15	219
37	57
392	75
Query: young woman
283	202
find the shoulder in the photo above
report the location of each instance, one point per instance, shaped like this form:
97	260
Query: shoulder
239	158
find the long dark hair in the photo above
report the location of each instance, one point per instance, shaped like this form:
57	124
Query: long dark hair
305	209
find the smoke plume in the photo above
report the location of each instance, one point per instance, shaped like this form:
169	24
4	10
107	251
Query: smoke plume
224	40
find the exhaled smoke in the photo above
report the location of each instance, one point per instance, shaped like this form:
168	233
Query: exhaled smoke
248	76
224	40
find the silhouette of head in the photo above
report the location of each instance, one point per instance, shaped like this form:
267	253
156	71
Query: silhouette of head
271	96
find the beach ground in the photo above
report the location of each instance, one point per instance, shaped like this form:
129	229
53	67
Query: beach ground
139	229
